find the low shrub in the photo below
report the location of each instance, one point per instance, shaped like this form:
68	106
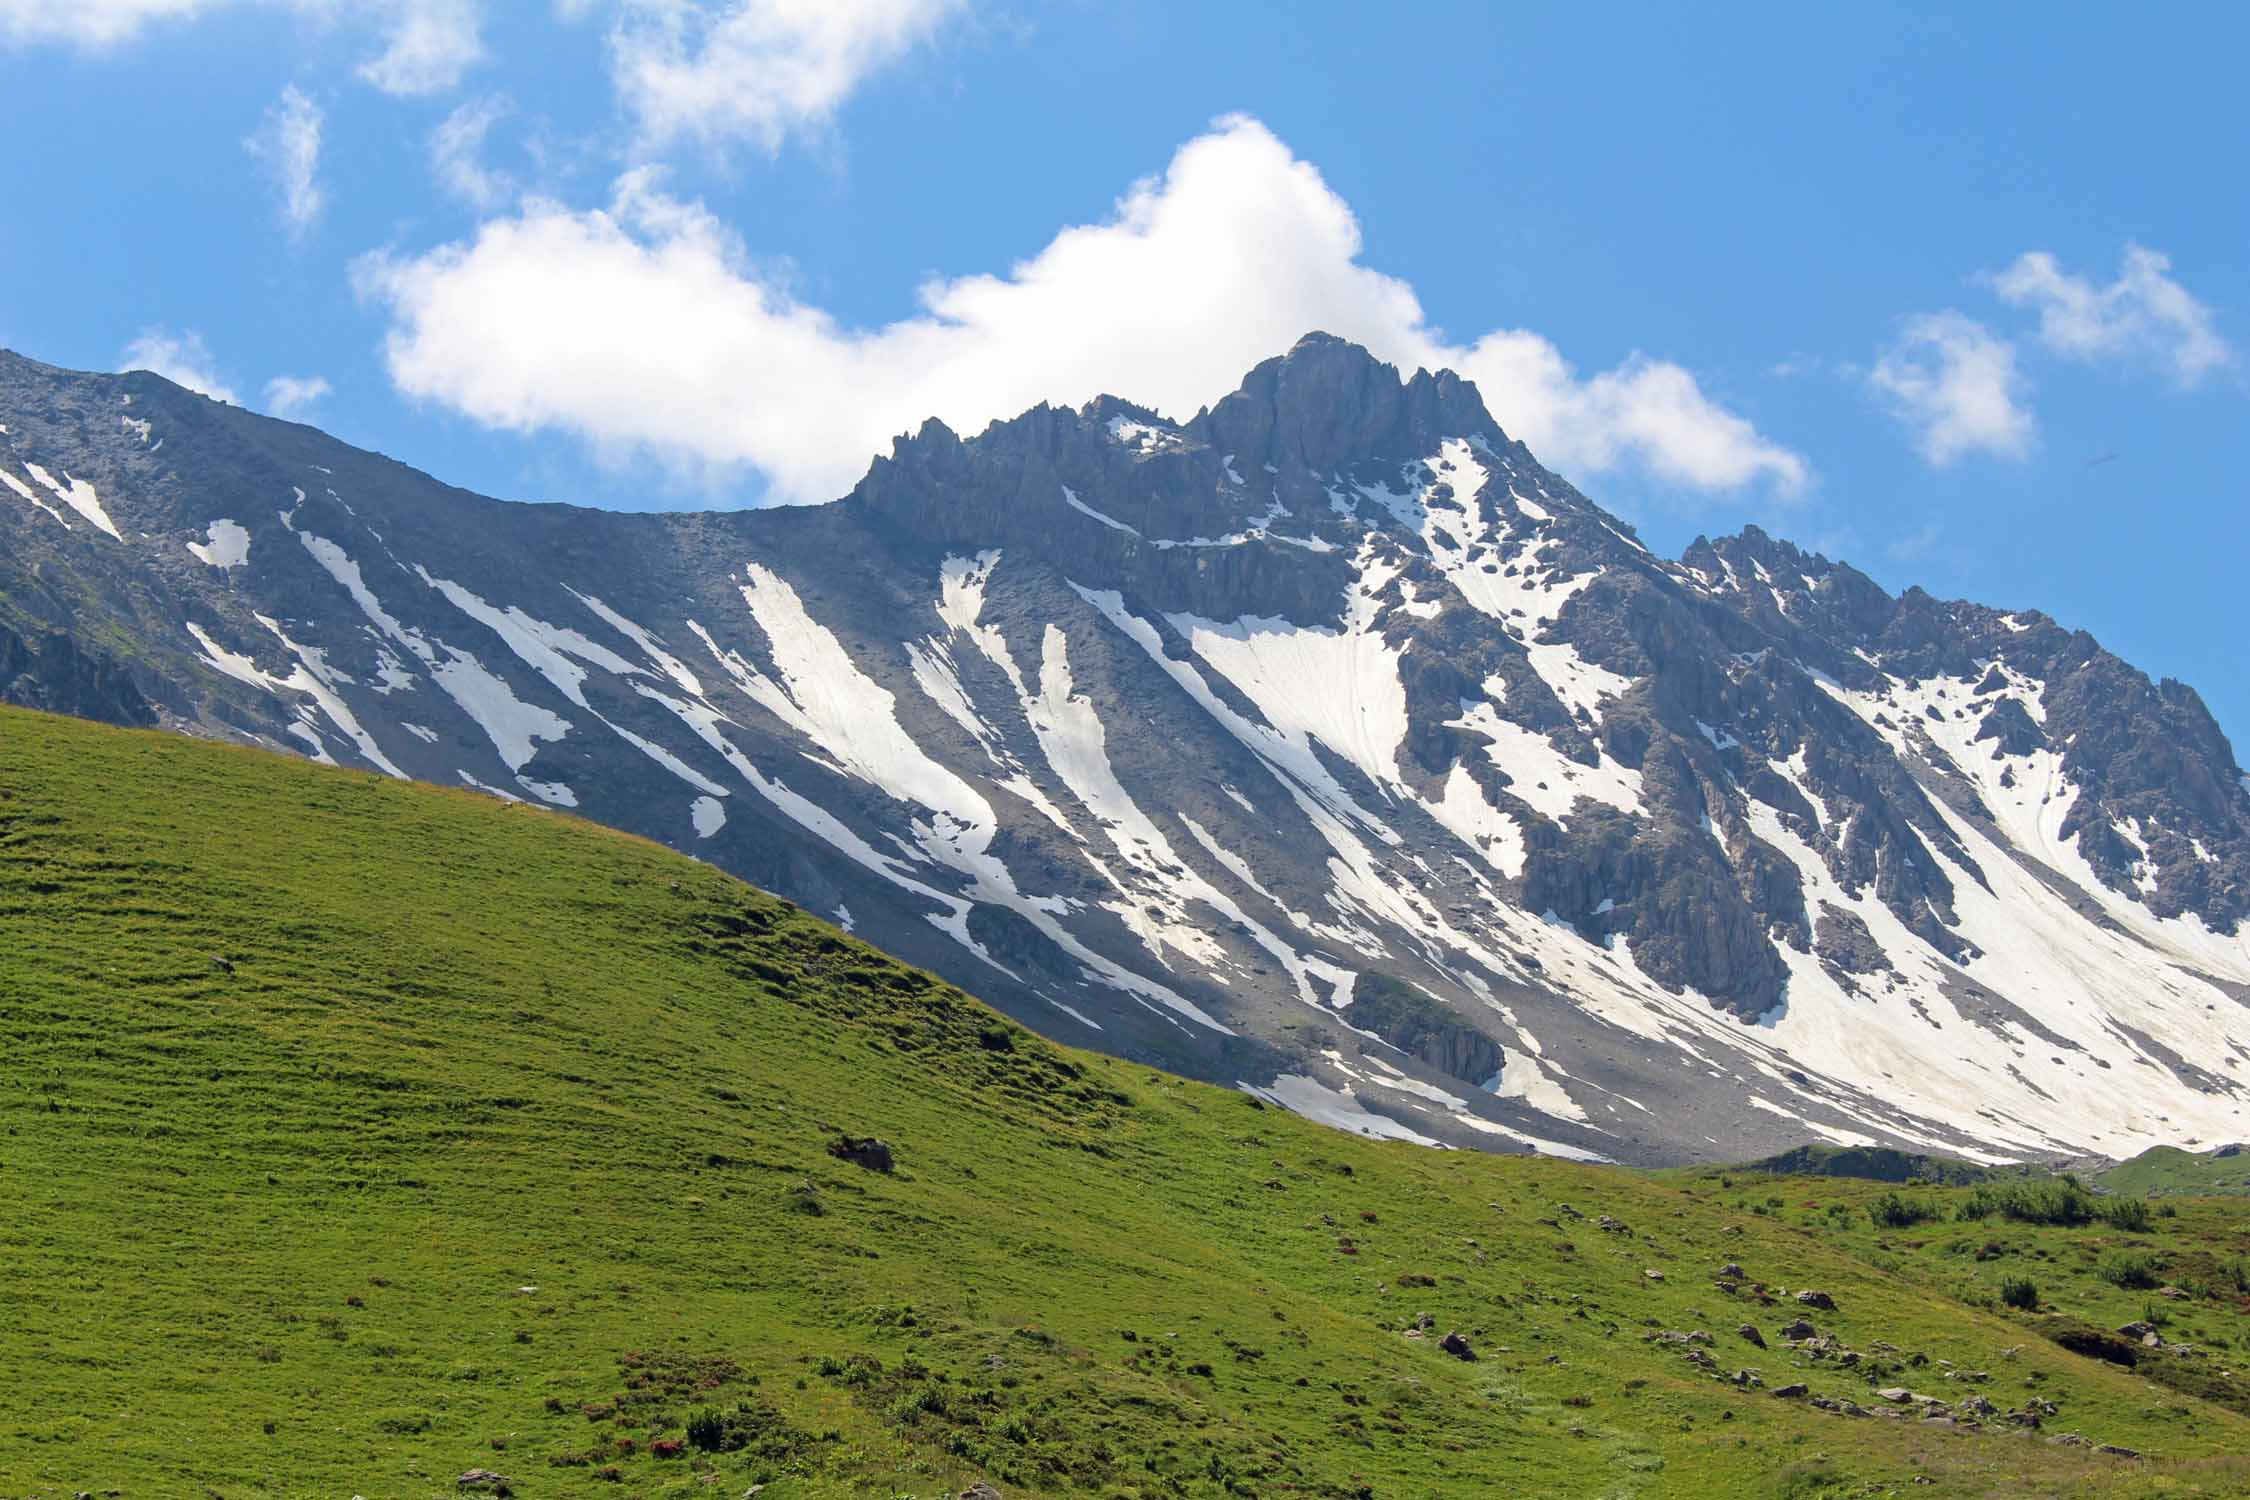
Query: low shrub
1896	1211
2020	1292
2133	1270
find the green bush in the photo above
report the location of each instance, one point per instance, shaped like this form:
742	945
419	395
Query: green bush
2129	1214
2020	1292
1893	1211
2064	1201
2133	1270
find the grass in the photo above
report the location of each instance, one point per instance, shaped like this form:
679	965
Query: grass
354	1135
2168	1171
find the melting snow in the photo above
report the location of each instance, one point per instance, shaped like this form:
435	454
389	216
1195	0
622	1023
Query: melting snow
1308	1096
35	498
313	677
513	726
821	693
1072	500
710	816
79	496
228	546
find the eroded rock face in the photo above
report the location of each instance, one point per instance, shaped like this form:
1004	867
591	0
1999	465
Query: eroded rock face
1416	1023
1324	743
53	672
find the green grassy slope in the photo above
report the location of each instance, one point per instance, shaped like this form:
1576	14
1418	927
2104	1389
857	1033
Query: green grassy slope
355	1134
2171	1172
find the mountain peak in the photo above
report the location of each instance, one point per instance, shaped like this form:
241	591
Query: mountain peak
1329	402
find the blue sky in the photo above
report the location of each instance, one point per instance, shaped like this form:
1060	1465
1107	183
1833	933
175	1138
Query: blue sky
1964	299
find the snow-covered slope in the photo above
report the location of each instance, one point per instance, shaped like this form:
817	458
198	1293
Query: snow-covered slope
1325	743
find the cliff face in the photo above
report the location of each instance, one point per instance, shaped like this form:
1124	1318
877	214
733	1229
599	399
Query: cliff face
1325	742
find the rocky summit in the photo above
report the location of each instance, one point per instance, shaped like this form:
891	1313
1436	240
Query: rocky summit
1325	744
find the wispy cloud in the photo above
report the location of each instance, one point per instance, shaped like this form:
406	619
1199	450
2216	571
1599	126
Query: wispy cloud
2144	314
179	358
1916	544
287	145
427	45
1954	383
287	395
756	70
90	24
457	154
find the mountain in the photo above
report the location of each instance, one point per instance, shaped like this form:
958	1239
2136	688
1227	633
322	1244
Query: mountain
1326	744
358	1136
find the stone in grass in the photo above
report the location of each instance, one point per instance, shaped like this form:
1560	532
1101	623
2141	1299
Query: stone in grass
485	1480
1797	1389
872	1154
1798	1328
980	1491
1749	1333
1820	1300
1457	1346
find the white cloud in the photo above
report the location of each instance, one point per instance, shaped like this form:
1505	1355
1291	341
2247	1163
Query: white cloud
646	328
427	45
287	144
180	358
1954	381
755	70
91	24
457	154
287	395
2143	314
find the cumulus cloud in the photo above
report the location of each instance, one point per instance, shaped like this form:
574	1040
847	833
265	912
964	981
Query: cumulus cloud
427	45
755	70
457	154
1954	383
645	327
287	145
179	358
287	395
2143	314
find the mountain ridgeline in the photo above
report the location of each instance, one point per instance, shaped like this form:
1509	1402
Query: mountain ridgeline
1325	744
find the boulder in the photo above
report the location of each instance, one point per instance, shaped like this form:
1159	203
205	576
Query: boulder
872	1154
485	1480
1748	1332
1457	1346
1820	1300
1797	1389
1798	1328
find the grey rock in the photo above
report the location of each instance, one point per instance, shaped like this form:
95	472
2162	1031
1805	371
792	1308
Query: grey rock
872	1154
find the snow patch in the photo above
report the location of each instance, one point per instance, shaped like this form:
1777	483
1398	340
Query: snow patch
709	816
228	545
